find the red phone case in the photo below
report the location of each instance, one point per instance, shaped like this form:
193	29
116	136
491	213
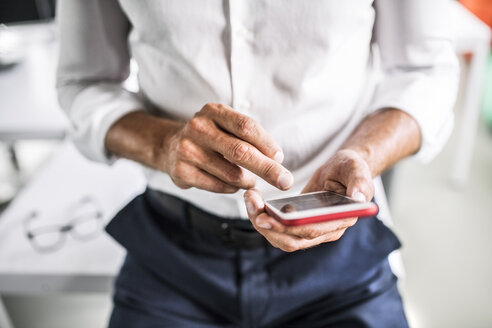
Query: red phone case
367	212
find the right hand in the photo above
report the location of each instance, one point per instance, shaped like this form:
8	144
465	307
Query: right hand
209	151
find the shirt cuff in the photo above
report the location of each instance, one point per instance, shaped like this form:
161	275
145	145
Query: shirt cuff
94	110
429	99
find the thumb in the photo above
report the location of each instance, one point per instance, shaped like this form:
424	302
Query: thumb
360	188
359	196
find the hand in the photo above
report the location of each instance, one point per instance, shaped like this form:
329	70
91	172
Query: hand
209	151
290	239
346	173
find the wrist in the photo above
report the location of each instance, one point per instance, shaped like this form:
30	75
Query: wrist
384	138
141	137
162	142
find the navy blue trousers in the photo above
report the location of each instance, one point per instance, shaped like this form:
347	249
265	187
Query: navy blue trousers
174	276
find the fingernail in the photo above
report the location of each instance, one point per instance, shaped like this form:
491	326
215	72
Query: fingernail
359	196
258	204
263	225
285	180
279	157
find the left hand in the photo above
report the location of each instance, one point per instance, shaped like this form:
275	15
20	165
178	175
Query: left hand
346	173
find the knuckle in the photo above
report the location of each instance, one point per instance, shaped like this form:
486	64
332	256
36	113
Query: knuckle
241	152
336	235
220	108
289	246
180	183
289	249
219	186
346	224
272	242
275	245
234	174
178	170
248	194
198	125
350	155
208	107
360	181
311	234
269	169
185	148
346	157
173	173
212	109
246	126
248	183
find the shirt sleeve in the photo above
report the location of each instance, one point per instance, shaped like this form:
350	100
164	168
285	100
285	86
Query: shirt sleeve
420	67
93	64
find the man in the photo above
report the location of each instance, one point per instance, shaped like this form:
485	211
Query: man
263	96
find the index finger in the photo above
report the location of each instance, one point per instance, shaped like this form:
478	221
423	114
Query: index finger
247	129
246	155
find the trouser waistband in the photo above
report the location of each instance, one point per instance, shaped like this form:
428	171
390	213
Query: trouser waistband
234	232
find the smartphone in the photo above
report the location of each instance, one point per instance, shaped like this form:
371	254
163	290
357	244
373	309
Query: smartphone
318	207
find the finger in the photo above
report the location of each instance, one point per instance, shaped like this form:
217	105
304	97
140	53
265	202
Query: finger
355	175
219	167
255	204
246	155
360	187
247	129
314	231
255	208
285	242
329	237
188	175
289	243
260	219
328	185
306	231
335	186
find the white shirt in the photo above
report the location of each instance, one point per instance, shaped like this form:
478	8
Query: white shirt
307	71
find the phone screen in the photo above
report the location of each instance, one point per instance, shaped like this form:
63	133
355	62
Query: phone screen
310	202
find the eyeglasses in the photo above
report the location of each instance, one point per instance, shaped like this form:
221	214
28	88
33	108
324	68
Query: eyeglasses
85	224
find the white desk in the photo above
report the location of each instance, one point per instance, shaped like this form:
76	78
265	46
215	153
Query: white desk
78	266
